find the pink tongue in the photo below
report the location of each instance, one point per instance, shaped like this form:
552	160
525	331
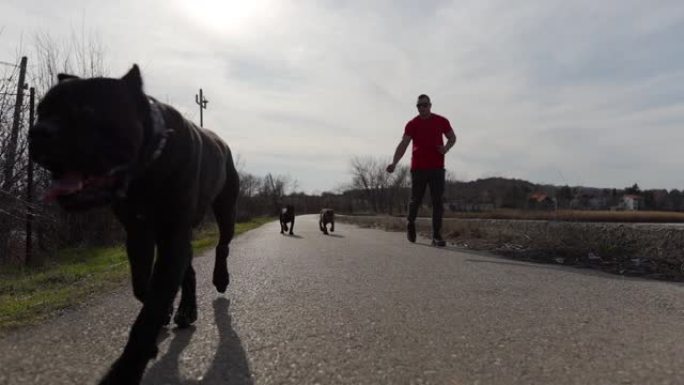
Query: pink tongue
68	184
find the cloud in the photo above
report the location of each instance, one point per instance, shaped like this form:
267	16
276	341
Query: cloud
550	91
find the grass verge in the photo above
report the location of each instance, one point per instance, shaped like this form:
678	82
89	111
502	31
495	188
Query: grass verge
572	215
650	251
30	295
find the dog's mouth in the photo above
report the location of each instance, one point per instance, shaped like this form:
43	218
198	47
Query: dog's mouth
74	190
72	183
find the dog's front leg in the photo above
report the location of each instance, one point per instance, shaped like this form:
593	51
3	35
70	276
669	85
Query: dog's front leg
140	250
174	256
139	247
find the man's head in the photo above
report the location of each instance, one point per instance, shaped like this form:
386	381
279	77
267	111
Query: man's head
423	104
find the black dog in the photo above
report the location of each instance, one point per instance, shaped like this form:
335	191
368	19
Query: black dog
107	143
327	217
287	214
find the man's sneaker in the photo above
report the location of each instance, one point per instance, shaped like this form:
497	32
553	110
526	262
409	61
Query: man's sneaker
438	241
411	232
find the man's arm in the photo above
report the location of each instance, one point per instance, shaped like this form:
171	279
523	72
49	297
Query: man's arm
451	140
399	152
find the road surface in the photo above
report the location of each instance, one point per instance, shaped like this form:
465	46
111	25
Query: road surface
367	307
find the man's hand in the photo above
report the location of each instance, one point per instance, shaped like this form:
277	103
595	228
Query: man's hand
450	143
390	168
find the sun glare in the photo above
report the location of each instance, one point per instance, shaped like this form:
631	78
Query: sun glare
228	16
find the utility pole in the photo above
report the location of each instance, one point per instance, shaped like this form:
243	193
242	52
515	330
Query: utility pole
29	185
12	149
199	99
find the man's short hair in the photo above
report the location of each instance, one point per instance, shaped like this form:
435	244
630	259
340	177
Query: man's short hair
423	96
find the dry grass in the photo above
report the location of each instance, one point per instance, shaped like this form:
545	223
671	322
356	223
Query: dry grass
655	251
576	215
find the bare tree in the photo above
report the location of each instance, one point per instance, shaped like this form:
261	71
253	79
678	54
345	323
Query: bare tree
399	190
274	188
13	160
382	190
81	54
8	88
250	185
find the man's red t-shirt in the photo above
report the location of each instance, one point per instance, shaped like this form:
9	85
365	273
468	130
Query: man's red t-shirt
427	136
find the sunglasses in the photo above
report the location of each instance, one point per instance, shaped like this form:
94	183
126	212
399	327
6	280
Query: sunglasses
423	105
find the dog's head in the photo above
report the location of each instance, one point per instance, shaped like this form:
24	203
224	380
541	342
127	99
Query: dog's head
327	214
88	131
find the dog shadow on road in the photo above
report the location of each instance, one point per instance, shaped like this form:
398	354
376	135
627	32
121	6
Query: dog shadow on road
335	236
293	236
230	365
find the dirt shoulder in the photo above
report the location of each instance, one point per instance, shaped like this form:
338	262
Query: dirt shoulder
646	250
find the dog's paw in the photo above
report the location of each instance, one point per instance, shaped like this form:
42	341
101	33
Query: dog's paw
186	315
221	281
220	278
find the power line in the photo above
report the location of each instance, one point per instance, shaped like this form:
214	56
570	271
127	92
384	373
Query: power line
9	64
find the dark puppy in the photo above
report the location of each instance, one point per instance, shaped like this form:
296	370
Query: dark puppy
287	214
106	143
327	217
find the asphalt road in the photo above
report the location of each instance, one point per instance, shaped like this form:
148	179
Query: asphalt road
366	307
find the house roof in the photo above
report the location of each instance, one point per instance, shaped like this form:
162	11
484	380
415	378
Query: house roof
538	197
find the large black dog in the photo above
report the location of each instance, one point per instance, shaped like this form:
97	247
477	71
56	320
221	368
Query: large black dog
287	215
107	143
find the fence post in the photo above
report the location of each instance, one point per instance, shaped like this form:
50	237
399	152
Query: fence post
29	184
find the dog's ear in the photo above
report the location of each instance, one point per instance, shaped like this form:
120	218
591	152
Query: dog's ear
133	79
65	77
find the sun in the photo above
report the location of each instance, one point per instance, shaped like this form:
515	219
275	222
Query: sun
228	16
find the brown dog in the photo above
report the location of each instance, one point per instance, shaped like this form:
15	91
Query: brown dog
327	217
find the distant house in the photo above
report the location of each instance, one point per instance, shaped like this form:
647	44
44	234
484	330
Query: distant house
632	202
541	201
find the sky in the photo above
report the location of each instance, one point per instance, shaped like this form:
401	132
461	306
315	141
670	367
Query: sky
564	92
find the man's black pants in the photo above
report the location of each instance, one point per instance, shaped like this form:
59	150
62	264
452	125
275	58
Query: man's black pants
420	179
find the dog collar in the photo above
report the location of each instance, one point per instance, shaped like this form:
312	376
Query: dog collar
159	131
159	136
